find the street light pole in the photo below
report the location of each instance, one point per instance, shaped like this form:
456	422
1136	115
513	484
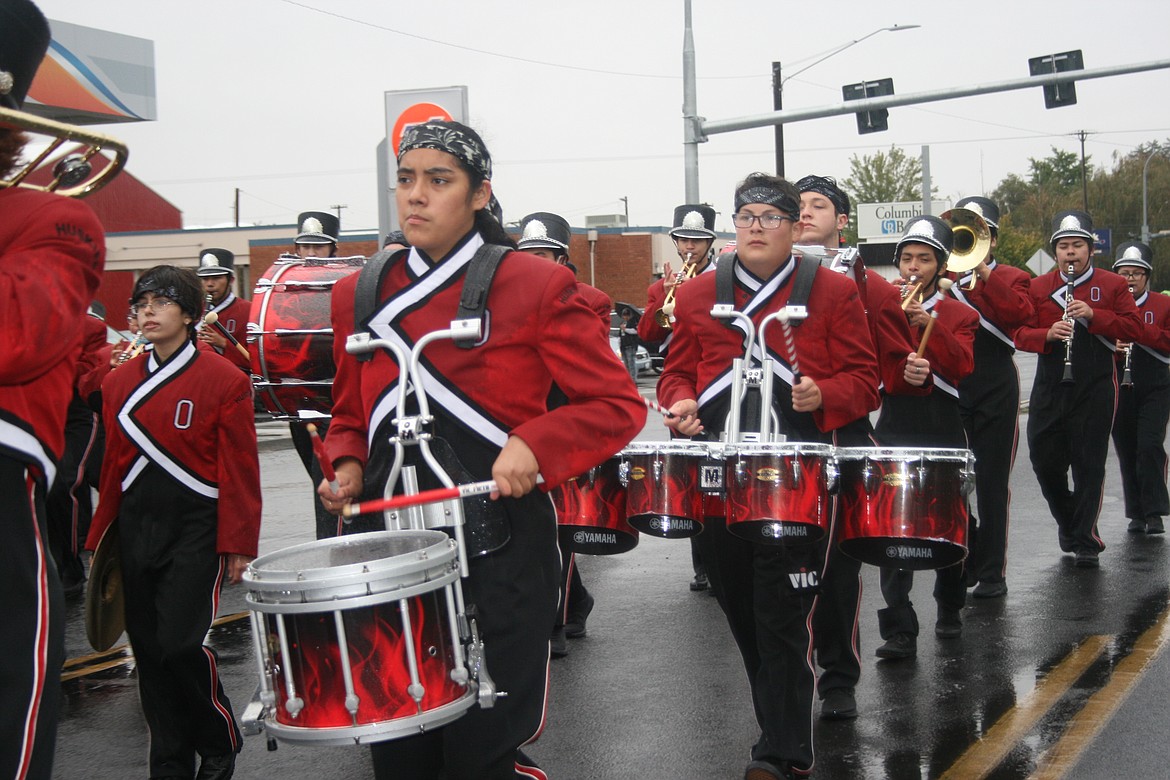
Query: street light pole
778	84
1145	217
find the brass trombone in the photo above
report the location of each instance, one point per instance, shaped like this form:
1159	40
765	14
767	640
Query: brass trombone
972	239
73	175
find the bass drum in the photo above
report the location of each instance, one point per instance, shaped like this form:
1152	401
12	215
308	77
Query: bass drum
292	338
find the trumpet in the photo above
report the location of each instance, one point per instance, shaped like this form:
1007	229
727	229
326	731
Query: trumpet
664	316
910	290
73	175
1067	378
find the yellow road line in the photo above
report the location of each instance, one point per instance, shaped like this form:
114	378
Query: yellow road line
1059	759
985	755
120	655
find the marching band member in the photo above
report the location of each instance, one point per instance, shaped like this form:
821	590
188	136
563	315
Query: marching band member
217	273
929	421
761	589
181	477
1143	406
547	235
52	252
824	213
490	404
693	233
989	401
1069	421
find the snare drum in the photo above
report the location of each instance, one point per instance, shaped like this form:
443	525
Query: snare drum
662	487
292	337
357	637
905	508
778	493
591	512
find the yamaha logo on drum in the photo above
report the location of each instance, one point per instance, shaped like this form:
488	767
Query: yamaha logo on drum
637	472
895	552
893	480
779	530
592	537
768	474
668	524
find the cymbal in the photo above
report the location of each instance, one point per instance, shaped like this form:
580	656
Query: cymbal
105	611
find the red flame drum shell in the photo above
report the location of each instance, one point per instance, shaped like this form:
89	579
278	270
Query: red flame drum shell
662	492
591	512
358	638
291	336
904	508
778	493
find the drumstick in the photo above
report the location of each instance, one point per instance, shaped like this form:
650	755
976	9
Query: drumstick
425	497
790	344
211	318
654	407
323	457
926	334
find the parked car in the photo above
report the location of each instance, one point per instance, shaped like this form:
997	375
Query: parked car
642	356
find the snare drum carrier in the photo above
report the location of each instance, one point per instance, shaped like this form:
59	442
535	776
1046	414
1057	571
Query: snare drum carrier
366	638
777	465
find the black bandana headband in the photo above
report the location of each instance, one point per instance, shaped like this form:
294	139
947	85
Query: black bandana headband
452	138
823	185
769	196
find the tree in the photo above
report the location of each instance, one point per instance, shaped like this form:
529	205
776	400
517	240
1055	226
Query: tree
884	178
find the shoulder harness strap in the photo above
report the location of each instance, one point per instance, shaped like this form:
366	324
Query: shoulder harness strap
476	284
369	282
801	287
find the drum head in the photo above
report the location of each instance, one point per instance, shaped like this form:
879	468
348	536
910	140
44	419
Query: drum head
105	609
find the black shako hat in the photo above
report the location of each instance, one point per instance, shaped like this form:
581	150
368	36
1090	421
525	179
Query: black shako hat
214	262
544	230
1135	253
1072	224
983	207
929	230
24	39
317	227
693	221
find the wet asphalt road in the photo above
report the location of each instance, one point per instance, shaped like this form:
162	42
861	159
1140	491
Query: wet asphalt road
1065	677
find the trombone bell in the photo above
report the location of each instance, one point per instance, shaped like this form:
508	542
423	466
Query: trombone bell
71	175
972	239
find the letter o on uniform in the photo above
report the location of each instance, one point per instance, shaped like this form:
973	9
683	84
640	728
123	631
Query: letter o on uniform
184	411
1149	317
1095	294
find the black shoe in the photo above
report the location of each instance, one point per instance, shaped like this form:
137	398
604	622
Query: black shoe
217	767
1066	541
1137	526
1154	525
575	623
766	770
990	590
558	646
839	704
1087	559
897	647
949	625
700	582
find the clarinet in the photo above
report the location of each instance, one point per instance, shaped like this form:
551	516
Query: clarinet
1126	376
1067	379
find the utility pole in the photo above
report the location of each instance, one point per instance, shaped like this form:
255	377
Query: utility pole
236	209
338	207
778	104
1084	179
624	199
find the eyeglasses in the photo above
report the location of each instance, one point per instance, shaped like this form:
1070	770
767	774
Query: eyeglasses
156	305
1132	274
767	221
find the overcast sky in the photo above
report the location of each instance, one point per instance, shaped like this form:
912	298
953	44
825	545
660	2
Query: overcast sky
580	102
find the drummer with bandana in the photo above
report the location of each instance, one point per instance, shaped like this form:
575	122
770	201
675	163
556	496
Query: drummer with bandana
767	591
490	404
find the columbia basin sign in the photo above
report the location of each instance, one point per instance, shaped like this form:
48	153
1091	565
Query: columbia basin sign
888	220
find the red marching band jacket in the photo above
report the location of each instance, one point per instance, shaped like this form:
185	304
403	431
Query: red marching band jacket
1003	302
890	333
539	330
52	252
1154	311
233	314
832	349
1115	316
193	418
950	349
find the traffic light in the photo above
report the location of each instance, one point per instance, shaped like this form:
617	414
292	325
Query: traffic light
870	121
1057	95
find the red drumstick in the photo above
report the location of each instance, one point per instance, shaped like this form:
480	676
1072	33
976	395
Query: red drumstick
425	497
655	407
212	319
790	344
322	457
